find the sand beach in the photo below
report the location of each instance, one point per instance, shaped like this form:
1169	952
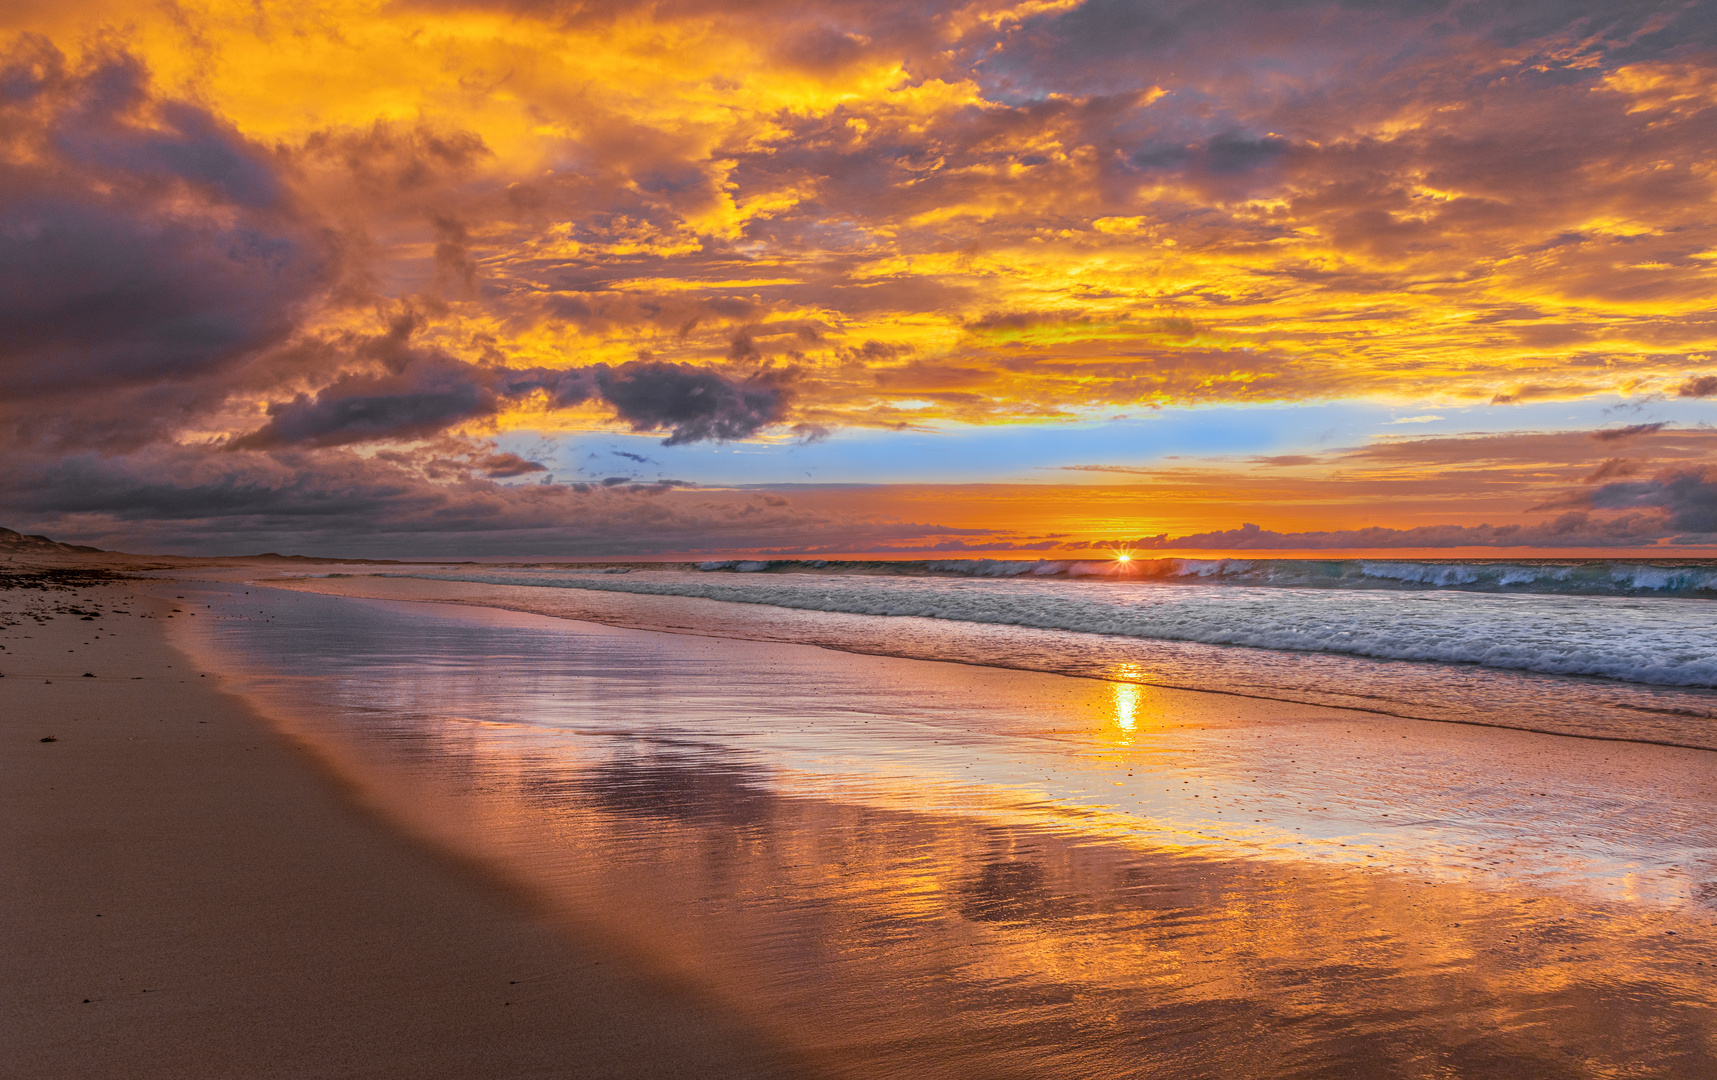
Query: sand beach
998	540
368	827
191	895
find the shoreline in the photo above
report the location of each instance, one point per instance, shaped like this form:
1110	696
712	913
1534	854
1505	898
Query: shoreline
938	934
1198	724
306	896
588	607
192	894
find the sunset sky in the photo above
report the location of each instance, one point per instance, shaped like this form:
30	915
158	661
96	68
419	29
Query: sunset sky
501	277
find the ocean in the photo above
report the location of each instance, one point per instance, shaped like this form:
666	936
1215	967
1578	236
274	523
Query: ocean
1634	643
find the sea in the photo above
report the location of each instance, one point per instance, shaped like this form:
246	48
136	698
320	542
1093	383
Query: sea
1603	649
974	818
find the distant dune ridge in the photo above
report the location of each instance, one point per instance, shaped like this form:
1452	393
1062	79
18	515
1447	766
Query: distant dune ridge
13	543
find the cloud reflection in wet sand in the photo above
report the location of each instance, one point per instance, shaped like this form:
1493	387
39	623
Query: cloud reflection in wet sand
890	937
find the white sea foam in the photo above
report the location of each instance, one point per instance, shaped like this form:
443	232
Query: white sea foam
1590	577
1660	641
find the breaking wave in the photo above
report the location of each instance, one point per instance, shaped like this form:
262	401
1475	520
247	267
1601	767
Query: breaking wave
1659	638
1587	577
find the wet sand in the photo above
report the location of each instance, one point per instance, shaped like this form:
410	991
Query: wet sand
1630	820
924	869
188	894
678	855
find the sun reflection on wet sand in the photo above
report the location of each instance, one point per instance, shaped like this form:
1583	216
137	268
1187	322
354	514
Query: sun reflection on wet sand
1129	695
928	870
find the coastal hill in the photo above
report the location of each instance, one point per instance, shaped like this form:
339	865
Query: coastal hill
29	546
17	543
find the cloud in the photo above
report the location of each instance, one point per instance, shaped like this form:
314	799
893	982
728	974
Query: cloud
694	404
432	392
390	162
926	167
1632	431
1687	496
1540	392
1526	451
1440	486
1571	529
334	502
498	466
1610	469
429	396
712	219
1224	155
145	240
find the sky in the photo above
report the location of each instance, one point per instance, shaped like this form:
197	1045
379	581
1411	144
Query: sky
438	278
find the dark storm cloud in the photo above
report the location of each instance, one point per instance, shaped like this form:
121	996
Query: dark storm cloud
141	240
1687	496
149	251
425	392
431	394
695	404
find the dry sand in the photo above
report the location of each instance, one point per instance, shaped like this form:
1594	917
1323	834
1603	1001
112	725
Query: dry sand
189	896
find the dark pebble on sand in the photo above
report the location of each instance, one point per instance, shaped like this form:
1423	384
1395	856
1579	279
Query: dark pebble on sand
49	738
89	674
